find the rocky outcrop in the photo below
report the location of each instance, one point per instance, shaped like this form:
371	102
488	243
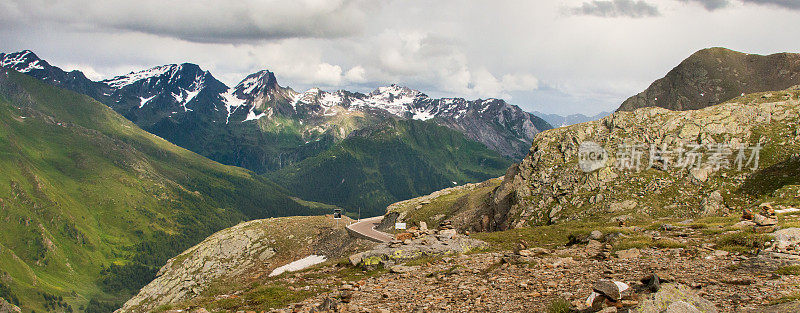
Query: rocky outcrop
715	75
418	243
675	298
6	307
249	249
551	184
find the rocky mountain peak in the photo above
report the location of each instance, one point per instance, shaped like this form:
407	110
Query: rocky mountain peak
23	61
262	81
181	75
398	93
715	75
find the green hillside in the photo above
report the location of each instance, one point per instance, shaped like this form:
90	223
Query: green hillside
389	162
91	206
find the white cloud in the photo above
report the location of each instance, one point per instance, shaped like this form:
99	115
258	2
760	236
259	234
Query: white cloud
87	70
616	8
356	74
200	20
530	50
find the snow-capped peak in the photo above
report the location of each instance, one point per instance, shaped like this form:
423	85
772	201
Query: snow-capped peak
171	71
256	82
396	92
183	82
23	61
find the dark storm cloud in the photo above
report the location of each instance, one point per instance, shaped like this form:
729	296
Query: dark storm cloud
199	20
710	5
616	8
788	4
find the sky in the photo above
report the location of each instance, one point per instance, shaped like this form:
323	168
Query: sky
561	57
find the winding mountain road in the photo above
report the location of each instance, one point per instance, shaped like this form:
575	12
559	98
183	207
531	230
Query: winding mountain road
366	228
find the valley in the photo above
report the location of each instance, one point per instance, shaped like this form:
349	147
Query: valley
164	190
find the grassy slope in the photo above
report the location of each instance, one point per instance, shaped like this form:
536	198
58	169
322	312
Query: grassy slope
777	181
397	160
83	189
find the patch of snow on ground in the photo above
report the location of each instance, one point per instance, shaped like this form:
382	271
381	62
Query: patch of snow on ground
787	210
299	264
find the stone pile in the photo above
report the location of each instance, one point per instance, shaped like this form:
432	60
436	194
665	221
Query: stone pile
417	242
763	220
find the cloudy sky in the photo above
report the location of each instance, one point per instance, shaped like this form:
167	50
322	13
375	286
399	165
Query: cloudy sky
552	56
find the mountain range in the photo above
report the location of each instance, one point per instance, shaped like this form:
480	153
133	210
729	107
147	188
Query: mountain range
94	200
91	205
715	75
572	119
270	129
188	106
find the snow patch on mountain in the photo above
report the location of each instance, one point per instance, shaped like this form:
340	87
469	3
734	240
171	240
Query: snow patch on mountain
122	81
23	61
251	116
144	100
232	103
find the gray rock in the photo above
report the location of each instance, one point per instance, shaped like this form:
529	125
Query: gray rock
448	233
388	254
6	307
682	307
714	205
786	238
607	288
628	254
744	225
399	269
623	206
596	235
793	306
701	174
355	259
534	252
670	294
762	220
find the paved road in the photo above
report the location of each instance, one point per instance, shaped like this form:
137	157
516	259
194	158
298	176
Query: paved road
366	227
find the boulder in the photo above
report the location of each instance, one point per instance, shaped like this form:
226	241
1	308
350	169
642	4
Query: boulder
786	238
628	254
623	206
762	220
534	252
701	174
652	282
400	269
682	307
744	225
355	259
6	307
669	294
611	289
714	205
447	233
